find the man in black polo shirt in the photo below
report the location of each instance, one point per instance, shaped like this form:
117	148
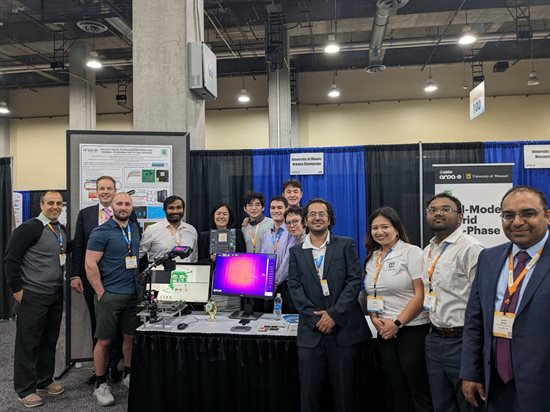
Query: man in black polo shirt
112	269
35	263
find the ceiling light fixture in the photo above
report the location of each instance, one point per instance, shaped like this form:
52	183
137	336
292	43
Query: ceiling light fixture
93	61
468	36
332	47
4	108
333	91
533	79
430	86
243	97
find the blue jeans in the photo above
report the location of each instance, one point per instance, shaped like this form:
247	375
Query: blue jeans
443	361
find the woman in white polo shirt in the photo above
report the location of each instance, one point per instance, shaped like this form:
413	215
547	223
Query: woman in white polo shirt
395	293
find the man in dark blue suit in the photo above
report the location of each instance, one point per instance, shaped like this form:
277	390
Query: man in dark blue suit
324	282
506	342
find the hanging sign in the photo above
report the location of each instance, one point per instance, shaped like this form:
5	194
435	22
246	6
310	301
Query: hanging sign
536	156
307	163
477	101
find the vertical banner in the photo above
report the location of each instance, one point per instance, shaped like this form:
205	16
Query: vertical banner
480	188
477	101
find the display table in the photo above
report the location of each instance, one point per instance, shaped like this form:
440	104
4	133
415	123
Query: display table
207	367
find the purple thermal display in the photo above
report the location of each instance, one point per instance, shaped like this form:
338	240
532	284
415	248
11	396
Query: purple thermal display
244	274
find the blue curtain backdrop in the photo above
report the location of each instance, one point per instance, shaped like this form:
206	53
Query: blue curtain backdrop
512	152
343	184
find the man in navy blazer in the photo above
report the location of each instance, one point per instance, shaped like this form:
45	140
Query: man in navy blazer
88	219
506	342
324	282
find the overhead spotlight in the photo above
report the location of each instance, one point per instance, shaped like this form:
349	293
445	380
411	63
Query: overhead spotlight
4	108
533	79
468	36
93	61
243	97
430	85
332	47
333	92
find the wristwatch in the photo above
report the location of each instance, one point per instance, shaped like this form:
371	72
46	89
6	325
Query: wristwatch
398	323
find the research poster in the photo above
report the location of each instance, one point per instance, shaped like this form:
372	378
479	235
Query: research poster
144	169
480	188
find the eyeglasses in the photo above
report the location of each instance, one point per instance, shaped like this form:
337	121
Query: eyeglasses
319	214
524	214
443	209
295	222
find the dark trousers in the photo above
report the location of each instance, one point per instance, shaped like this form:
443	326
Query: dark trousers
443	361
340	363
502	397
404	366
38	322
115	349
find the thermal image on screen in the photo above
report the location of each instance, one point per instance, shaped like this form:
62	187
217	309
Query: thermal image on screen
244	274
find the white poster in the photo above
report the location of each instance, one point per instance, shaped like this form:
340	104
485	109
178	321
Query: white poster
18	207
480	188
477	101
144	169
536	156
307	163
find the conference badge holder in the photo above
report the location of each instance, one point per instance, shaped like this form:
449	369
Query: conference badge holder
375	304
503	324
131	262
62	259
324	286
429	299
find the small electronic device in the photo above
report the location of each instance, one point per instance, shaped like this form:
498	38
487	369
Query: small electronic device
223	240
182	326
249	275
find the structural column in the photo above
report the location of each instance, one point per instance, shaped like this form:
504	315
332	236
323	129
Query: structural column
162	100
82	108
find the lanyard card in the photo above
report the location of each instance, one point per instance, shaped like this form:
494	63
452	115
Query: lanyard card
324	286
503	324
131	262
62	259
429	299
375	304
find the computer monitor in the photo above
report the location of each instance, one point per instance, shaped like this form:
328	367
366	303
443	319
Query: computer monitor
189	283
249	275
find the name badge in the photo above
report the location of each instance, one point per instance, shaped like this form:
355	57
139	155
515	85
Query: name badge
62	259
131	262
324	286
375	304
429	299
503	323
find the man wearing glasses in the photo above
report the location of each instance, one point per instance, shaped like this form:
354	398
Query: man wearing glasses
449	267
506	348
324	281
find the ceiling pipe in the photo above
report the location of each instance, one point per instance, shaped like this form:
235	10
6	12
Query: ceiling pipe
384	9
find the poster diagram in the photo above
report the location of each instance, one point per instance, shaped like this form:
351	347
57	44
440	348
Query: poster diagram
145	169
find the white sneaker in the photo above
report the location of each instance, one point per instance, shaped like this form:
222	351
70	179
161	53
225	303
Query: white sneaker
126	381
103	395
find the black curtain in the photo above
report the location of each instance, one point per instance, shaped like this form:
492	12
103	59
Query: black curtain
6	220
392	179
216	176
446	153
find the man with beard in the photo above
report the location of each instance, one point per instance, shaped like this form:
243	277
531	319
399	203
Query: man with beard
172	231
324	281
88	219
112	269
448	269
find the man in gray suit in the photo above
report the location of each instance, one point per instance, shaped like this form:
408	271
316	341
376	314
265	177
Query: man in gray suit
324	282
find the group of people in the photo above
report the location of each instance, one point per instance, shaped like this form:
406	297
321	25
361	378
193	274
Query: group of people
458	326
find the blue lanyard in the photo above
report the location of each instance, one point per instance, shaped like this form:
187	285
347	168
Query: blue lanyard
128	238
319	261
59	237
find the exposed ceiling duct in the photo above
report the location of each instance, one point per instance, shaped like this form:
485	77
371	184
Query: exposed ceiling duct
384	9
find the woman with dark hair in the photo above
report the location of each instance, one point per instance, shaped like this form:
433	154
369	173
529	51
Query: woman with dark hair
221	218
395	293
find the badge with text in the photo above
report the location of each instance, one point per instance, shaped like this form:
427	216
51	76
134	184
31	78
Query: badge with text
503	323
429	299
375	304
131	262
62	259
324	286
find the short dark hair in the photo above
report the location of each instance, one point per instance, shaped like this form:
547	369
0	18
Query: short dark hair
292	183
449	196
215	209
49	191
279	199
531	189
296	210
105	178
172	199
250	196
330	209
391	214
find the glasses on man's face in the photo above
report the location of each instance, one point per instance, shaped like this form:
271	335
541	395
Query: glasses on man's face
526	214
443	209
317	214
295	222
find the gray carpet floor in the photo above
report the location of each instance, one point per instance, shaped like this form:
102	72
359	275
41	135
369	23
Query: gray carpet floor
77	395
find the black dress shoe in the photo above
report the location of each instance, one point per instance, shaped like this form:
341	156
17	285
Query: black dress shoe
91	380
113	375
